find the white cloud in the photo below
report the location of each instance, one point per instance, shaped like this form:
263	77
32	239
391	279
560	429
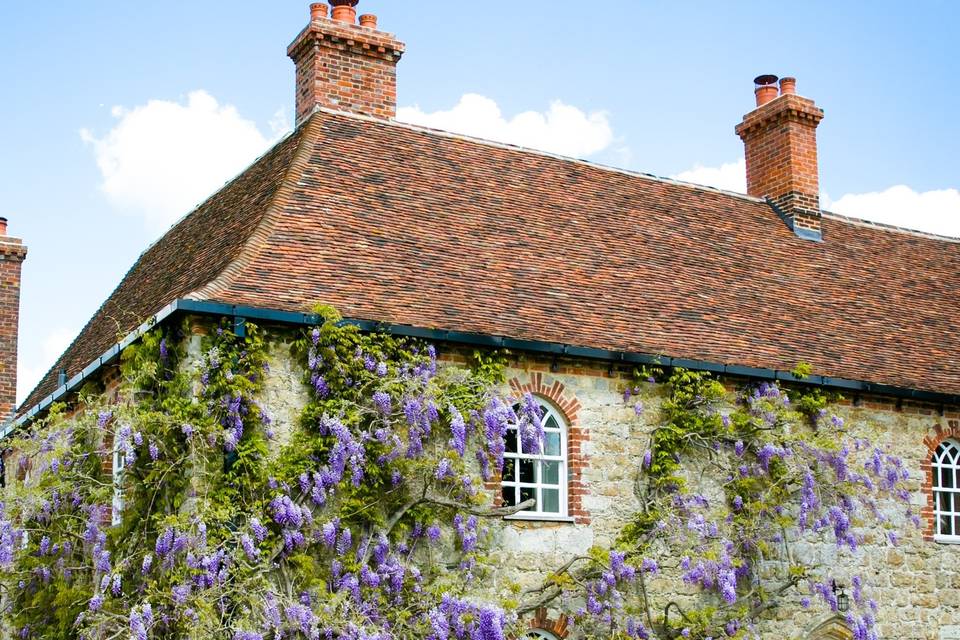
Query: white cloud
933	211
731	176
33	365
562	129
163	158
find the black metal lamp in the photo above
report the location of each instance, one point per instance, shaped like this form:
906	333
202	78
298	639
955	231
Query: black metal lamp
843	600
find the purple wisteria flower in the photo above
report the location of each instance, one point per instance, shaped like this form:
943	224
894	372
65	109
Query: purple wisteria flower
249	548
444	469
458	430
259	531
382	402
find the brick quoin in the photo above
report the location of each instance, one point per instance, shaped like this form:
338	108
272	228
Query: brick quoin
577	436
12	255
345	66
932	441
780	147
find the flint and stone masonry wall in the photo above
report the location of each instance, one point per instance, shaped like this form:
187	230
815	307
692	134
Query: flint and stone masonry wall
917	583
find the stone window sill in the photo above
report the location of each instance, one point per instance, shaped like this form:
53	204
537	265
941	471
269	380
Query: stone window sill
946	539
539	517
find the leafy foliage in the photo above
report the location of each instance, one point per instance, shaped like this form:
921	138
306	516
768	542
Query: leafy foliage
368	518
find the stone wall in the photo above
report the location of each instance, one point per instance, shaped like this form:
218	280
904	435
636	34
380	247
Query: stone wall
916	583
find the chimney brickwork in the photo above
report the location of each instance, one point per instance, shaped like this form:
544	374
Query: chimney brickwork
12	255
780	144
345	66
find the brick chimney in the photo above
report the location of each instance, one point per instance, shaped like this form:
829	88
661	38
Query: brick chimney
12	254
780	142
344	65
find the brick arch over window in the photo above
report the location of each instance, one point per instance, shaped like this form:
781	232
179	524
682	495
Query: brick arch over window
833	629
556	627
932	441
566	403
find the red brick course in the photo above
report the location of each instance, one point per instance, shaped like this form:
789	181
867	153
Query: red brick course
12	255
931	442
780	143
346	67
556	626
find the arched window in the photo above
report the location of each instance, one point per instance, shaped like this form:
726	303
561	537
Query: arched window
541	635
541	476
946	491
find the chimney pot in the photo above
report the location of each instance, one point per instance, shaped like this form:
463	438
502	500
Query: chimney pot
318	10
3	226
345	11
766	89
347	15
368	20
788	86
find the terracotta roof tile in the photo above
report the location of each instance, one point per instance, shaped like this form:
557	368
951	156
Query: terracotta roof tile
399	224
190	255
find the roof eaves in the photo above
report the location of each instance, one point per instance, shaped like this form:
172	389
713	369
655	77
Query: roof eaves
475	339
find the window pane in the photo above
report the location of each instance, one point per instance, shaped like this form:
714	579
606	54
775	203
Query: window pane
509	470
944	501
550	473
528	470
527	493
551	423
956	525
509	496
510	439
551	500
944	526
552	444
946	478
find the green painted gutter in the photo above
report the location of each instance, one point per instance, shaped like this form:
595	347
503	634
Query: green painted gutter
241	314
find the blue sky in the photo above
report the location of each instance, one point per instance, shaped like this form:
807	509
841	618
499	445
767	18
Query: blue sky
121	115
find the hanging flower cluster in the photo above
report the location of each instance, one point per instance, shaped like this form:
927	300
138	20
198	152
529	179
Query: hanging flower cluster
368	519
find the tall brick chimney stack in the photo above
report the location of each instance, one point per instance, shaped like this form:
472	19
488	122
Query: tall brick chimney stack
780	141
12	255
343	65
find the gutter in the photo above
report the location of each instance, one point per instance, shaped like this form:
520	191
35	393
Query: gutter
241	314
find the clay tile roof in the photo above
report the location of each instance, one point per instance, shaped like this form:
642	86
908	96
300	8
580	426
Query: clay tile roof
400	224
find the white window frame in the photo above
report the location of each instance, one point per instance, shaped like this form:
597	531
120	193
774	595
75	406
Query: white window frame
537	513
542	635
946	458
117	469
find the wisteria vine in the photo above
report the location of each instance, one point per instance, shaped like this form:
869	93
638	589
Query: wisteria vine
373	519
